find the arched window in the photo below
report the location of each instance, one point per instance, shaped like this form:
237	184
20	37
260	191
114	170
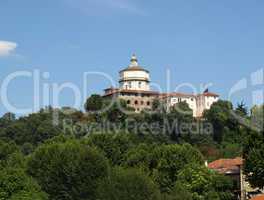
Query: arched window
128	102
136	102
148	103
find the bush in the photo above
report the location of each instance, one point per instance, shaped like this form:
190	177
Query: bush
68	170
127	184
16	185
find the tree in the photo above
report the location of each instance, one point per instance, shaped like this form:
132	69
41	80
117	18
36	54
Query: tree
253	148
116	111
205	184
170	160
34	129
157	106
16	185
6	119
242	109
68	170
220	117
127	184
113	146
179	192
253	153
163	162
94	103
180	117
257	117
10	155
140	157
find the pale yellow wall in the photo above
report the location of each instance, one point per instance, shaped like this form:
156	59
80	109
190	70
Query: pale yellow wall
134	80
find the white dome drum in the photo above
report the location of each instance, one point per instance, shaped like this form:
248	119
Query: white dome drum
134	77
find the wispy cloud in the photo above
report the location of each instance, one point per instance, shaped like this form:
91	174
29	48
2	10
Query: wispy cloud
107	6
7	48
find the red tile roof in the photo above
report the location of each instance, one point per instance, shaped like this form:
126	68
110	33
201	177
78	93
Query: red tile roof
134	68
210	94
176	94
132	92
259	197
226	165
161	95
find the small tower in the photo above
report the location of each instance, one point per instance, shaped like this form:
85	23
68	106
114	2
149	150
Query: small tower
133	61
134	77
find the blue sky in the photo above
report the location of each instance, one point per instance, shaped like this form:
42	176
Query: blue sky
199	41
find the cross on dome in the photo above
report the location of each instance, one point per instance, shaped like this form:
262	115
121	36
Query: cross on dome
133	61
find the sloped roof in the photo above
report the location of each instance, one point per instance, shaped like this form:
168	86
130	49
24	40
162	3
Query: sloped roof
176	94
134	66
259	197
226	166
132	92
210	94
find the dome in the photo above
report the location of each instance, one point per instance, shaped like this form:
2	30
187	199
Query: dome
134	77
134	66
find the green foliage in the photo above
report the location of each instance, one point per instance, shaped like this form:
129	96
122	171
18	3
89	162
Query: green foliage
253	152
94	103
141	157
127	184
116	111
182	116
34	129
220	117
253	149
257	117
16	185
146	163
114	146
157	106
205	184
10	155
242	109
7	119
163	161
68	170
230	150
179	192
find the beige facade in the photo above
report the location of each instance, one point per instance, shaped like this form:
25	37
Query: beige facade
135	90
139	100
134	77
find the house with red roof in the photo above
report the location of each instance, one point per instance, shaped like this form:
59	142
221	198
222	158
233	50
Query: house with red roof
232	168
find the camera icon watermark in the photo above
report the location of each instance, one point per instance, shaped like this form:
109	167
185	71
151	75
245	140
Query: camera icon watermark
254	83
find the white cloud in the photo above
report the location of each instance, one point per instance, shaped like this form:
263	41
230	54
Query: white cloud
6	48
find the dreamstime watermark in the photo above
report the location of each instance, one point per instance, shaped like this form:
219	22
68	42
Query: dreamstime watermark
49	94
45	93
255	82
165	127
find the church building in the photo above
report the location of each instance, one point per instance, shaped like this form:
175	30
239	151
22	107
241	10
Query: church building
134	88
